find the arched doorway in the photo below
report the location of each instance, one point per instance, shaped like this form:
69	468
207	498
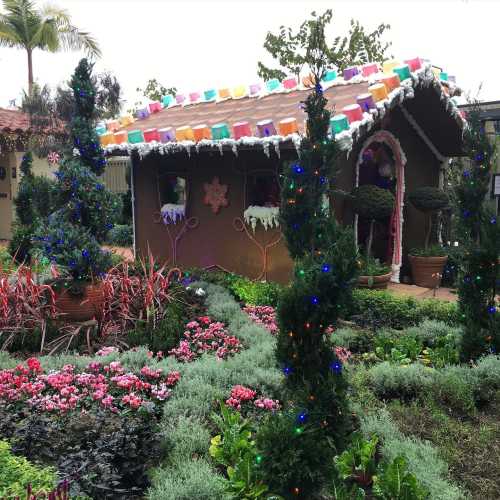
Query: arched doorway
381	162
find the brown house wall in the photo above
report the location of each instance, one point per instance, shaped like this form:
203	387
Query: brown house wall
222	240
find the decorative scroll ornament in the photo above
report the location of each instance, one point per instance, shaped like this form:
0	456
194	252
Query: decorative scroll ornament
171	213
267	216
215	195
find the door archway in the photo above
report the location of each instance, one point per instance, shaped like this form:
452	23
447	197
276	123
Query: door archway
396	229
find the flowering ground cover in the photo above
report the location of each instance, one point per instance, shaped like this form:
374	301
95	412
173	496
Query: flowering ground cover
136	423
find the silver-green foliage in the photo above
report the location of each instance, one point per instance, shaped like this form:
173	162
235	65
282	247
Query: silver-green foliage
422	458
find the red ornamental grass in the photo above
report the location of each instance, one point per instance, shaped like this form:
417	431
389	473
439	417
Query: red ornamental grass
24	304
131	297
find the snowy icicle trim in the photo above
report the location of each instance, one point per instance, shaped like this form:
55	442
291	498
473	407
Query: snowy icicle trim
171	213
267	216
145	148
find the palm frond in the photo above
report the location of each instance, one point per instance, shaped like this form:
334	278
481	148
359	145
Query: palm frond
69	36
8	36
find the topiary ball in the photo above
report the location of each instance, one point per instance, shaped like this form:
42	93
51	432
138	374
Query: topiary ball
372	202
428	199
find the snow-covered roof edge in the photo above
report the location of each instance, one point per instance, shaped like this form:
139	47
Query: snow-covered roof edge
346	139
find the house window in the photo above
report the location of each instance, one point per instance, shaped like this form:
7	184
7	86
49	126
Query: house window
172	191
263	191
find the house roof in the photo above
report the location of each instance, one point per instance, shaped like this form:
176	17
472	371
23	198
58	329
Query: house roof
428	99
13	120
273	106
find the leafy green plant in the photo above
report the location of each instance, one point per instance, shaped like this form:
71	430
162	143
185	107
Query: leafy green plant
373	267
105	455
430	251
236	450
256	292
443	352
358	462
17	473
401	349
394	482
385	309
120	235
372	203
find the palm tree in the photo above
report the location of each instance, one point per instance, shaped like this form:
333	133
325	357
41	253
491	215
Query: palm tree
24	26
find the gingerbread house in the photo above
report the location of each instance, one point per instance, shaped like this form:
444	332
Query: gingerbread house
206	166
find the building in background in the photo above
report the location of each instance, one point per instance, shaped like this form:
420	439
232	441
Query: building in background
14	135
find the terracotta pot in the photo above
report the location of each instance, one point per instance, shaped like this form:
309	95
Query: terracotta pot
378	283
81	308
427	271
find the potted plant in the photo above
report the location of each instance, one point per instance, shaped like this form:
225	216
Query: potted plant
427	264
373	274
374	204
83	214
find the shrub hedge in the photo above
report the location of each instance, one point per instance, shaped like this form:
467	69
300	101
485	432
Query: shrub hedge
385	309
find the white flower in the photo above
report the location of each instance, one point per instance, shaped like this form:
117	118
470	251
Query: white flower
200	292
76	152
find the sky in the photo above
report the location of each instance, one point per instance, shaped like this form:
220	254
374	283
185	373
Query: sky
195	45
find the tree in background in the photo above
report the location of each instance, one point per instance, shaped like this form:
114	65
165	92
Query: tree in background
292	49
154	90
51	112
84	211
33	204
479	234
24	26
298	445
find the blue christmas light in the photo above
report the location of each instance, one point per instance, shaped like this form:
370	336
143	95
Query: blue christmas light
493	220
298	169
336	367
85	253
467	279
314	300
302	418
325	268
322	180
492	309
466	173
287	370
480	157
295	226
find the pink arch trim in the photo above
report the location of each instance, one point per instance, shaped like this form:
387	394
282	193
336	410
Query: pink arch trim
400	162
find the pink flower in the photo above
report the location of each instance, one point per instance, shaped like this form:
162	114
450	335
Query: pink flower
173	378
343	354
150	372
267	404
242	393
105	351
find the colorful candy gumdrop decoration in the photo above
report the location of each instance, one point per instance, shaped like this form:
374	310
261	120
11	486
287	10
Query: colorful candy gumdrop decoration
201	132
215	195
366	102
241	129
266	128
339	123
167	134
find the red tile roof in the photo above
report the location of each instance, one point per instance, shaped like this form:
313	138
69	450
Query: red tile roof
12	120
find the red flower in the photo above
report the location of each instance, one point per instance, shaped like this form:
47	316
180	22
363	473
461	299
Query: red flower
34	365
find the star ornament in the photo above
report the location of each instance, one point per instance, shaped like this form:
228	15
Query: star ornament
215	195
